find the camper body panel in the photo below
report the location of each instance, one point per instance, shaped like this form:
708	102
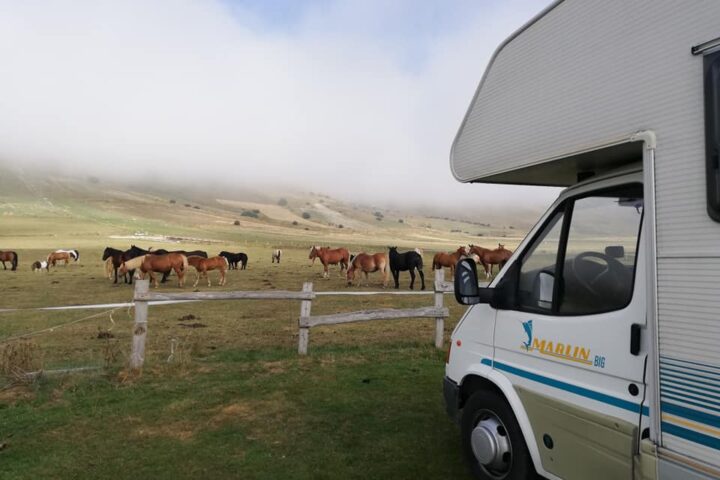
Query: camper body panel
585	74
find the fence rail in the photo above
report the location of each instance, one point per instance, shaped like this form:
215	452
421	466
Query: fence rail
144	297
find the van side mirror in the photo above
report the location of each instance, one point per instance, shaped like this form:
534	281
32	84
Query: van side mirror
466	288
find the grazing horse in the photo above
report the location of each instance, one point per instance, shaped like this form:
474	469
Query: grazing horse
329	256
480	252
109	268
165	263
276	254
367	263
59	256
40	265
162	251
498	257
443	259
235	258
74	254
203	265
129	254
11	257
408	261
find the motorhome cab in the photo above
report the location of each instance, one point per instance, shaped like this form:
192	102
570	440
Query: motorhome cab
595	353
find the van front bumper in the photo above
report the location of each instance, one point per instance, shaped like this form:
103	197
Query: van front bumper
451	392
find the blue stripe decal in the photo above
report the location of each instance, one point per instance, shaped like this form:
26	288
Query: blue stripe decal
689	381
679	390
681	399
691	414
692	435
583	392
664	359
677	368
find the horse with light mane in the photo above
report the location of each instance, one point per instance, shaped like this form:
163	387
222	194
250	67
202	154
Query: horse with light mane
449	260
330	256
128	267
60	256
11	257
74	254
203	265
367	263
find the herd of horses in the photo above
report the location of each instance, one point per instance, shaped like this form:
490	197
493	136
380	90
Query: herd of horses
150	262
410	261
136	260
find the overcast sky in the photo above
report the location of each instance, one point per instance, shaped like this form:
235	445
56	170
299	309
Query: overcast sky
359	99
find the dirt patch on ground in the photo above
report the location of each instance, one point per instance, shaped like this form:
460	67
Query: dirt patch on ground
182	431
12	395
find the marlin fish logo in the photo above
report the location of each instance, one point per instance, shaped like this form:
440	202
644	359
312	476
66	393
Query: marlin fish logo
527	326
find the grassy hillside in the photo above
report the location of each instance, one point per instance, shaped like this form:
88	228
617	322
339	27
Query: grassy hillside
37	211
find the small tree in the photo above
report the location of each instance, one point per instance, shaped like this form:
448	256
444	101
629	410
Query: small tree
400	220
236	222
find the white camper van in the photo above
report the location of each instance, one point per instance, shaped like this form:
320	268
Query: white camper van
595	353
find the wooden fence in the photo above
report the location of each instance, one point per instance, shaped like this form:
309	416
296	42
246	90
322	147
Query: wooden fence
306	321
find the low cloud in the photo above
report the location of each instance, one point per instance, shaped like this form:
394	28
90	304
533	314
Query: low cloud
333	100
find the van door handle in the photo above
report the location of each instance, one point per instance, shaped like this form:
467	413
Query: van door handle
635	338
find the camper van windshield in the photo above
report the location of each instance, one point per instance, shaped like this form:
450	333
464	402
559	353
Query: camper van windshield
583	262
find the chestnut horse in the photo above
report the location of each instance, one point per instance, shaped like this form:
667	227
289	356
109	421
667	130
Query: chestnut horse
498	257
149	264
443	259
203	265
11	257
367	263
59	256
330	257
480	252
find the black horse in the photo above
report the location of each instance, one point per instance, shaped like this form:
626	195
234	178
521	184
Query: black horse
116	256
235	258
408	261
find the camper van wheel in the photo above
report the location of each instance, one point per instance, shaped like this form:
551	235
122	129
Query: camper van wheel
492	439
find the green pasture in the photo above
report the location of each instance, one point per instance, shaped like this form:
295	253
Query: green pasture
223	393
235	400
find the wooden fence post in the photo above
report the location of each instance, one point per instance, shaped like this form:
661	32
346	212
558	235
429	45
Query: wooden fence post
137	356
439	321
304	333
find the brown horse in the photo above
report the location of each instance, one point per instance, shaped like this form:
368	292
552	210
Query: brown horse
443	259
203	265
480	252
498	257
59	256
164	264
11	257
367	263
330	257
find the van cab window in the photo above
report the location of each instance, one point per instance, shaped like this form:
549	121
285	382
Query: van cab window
583	262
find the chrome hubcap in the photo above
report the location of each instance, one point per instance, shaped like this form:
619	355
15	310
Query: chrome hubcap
491	445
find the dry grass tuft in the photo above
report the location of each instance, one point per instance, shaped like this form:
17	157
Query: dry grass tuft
18	359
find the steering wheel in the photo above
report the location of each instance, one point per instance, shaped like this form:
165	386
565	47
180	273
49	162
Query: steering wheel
613	268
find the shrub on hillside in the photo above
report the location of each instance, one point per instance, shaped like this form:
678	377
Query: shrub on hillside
282	202
236	222
306	215
250	213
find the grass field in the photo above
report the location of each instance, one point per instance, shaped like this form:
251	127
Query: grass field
235	400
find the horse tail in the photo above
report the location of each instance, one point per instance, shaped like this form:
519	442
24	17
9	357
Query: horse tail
77	255
14	261
185	263
420	262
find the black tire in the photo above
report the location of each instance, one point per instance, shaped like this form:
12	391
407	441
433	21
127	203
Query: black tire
479	405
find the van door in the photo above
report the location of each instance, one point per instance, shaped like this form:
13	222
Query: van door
567	343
